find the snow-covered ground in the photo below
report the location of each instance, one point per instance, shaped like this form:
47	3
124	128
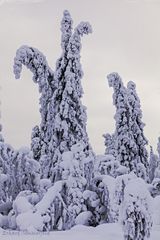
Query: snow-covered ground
102	232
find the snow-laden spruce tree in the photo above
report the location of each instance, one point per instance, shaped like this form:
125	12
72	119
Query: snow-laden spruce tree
137	126
53	106
128	134
63	117
68	125
124	140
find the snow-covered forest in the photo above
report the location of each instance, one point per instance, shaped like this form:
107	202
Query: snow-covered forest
59	183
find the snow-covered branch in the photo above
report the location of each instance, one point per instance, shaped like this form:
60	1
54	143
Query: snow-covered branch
34	60
75	41
66	29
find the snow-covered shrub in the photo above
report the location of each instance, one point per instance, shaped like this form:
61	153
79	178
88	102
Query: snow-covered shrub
73	169
36	143
4	186
74	200
26	172
57	210
97	201
4	222
153	163
121	170
120	184
106	165
141	171
24	203
157	171
155	184
136	211
155	187
92	203
44	185
73	162
6	153
110	144
33	215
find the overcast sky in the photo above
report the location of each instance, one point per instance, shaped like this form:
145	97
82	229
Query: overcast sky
125	39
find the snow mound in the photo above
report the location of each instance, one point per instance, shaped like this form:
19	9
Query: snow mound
30	222
21	205
84	218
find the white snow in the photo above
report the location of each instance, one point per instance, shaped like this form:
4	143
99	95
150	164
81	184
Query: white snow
156	210
30	222
110	183
21	205
79	232
83	218
48	198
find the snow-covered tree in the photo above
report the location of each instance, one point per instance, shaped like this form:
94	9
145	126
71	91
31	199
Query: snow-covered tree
129	141
34	60
137	126
124	142
68	125
63	117
136	211
153	163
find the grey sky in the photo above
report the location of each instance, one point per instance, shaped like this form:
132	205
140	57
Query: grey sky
125	39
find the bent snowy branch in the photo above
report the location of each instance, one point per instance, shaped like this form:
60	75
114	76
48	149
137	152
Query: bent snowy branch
33	59
74	45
